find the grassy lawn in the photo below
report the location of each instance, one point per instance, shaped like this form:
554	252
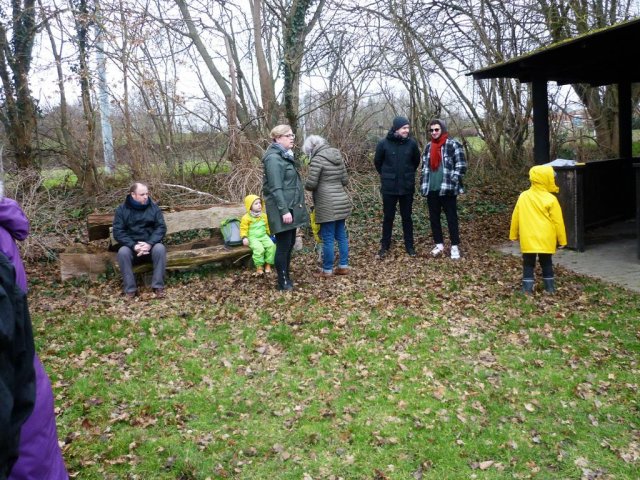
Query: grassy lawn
407	369
64	177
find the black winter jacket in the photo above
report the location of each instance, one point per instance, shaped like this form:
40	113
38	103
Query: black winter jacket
17	375
397	160
138	223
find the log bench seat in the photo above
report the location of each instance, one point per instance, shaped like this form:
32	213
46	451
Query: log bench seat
92	260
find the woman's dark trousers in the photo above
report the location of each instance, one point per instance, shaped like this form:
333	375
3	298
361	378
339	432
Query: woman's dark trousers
284	246
436	204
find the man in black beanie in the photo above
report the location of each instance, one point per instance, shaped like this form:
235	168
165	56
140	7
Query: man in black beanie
397	158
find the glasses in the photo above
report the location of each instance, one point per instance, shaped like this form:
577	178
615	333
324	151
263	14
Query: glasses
290	135
434	129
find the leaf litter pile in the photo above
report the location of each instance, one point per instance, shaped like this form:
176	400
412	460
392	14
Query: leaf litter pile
408	368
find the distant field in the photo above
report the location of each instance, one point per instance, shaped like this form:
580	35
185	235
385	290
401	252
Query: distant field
59	176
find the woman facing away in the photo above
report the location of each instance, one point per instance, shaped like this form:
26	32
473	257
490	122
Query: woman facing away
327	180
283	193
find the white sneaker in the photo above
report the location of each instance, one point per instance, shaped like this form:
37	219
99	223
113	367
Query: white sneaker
455	252
437	250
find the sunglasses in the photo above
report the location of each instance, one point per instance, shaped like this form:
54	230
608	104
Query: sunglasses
434	129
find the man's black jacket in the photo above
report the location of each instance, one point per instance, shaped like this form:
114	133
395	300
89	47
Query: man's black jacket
396	161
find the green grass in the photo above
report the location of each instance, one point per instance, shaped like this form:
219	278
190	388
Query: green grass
348	387
59	177
64	177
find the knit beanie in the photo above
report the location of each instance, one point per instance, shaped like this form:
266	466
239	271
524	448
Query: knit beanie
442	123
399	122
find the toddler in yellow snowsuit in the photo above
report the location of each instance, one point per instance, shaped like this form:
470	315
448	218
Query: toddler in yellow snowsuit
254	231
537	222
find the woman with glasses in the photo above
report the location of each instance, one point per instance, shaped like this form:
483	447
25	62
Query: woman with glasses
283	192
443	166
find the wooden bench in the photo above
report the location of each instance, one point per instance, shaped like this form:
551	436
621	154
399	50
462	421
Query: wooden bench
92	260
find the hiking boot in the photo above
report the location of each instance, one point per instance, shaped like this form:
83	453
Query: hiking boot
382	252
130	295
455	252
267	268
159	293
549	285
259	270
284	284
437	250
527	286
411	251
341	271
323	274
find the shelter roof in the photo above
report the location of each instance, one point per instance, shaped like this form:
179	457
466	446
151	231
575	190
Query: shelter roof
600	57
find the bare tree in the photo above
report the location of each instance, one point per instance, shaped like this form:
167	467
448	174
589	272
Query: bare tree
77	146
18	111
568	19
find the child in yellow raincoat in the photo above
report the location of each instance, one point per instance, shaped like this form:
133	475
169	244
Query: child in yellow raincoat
254	231
537	222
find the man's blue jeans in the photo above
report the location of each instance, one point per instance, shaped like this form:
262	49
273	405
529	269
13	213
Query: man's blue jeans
332	232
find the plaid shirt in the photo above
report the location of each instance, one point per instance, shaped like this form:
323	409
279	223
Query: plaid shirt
454	167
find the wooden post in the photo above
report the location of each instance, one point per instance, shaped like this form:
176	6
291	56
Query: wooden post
624	120
636	167
541	144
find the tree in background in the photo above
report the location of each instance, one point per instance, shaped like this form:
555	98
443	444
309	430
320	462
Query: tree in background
569	19
18	110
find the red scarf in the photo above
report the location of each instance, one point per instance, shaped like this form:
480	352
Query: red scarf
435	155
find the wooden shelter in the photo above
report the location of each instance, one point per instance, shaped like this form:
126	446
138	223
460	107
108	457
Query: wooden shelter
601	191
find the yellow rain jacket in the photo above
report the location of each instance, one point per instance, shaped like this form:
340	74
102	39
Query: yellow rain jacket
537	217
251	226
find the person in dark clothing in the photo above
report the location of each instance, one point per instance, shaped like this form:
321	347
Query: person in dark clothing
396	160
138	227
39	455
17	374
443	168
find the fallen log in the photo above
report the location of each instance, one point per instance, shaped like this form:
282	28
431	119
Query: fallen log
78	263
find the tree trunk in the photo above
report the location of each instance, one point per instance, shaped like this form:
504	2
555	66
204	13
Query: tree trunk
295	34
270	107
88	173
18	113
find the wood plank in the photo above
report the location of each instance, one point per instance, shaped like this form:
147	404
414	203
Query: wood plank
177	220
91	265
200	243
196	219
76	263
189	259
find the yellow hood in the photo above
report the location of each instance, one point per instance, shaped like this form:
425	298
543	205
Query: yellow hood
543	176
248	201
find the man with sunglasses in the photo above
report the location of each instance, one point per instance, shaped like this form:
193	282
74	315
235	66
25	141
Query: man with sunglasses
443	166
397	158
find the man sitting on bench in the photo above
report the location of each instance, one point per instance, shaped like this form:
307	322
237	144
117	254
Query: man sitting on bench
138	227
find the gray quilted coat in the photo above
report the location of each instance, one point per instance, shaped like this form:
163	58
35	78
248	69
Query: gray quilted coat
327	179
